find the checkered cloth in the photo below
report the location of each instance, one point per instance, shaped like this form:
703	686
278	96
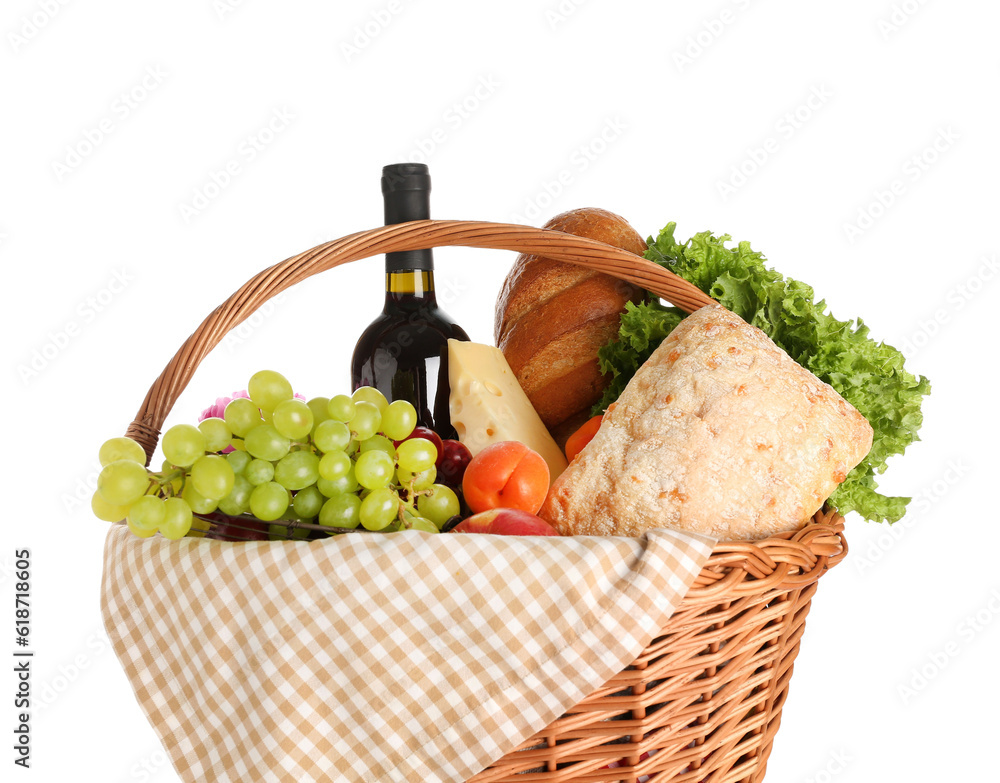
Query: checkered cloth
402	657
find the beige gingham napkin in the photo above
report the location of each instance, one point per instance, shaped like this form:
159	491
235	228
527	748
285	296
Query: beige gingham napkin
401	657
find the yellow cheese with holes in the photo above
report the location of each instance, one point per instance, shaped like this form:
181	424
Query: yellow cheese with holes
487	404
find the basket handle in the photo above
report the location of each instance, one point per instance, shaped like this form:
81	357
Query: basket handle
416	235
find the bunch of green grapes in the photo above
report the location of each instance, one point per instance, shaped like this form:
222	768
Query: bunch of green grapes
340	462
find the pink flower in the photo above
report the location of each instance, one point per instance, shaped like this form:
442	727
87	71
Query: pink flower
218	409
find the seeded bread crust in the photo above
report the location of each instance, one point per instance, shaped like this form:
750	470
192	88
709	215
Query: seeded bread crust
720	432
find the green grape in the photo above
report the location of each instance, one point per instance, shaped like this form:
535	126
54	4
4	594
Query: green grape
198	502
268	501
293	419
242	416
339	486
177	519
238	461
123	482
107	512
171	470
374	469
367	419
416	454
238	500
268	389
341	510
121	448
416	481
308	502
399	419
334	465
175	483
341	408
371	395
320	410
439	505
146	513
217	434
297	470
331	435
183	444
265	442
421	523
259	471
212	476
379	443
139	532
380	508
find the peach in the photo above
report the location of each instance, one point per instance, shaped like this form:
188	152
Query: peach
507	522
506	475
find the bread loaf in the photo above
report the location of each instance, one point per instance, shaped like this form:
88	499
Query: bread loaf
553	316
719	432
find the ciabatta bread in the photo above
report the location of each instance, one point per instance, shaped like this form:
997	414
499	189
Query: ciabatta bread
552	317
719	432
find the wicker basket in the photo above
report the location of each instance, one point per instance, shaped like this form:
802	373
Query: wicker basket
703	701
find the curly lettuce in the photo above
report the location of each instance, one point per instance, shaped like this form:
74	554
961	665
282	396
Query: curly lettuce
867	374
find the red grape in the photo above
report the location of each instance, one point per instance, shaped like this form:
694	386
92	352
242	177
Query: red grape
455	458
243	528
427	434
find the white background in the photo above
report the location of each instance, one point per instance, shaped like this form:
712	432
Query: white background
522	110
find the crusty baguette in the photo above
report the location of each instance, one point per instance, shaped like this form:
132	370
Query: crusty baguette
552	317
719	432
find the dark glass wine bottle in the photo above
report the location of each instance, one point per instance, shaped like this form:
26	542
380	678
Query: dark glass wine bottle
404	352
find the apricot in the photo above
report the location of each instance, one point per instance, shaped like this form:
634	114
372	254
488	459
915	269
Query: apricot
506	475
583	436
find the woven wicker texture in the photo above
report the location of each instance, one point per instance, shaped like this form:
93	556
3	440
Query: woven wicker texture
703	701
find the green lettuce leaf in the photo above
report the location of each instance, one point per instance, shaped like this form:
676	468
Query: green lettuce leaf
867	374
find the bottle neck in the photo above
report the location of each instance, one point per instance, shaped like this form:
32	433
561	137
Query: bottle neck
406	192
409	289
409	261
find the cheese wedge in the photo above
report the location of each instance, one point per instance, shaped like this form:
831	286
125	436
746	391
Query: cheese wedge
487	404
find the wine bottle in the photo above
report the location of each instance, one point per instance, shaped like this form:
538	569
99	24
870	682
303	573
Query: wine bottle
404	352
